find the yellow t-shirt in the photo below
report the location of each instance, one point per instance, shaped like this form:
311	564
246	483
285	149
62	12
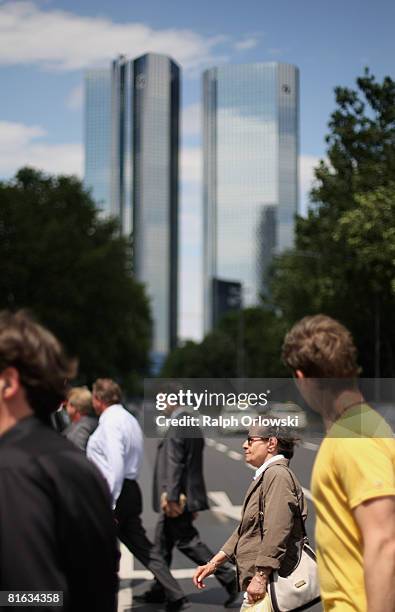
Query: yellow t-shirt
347	472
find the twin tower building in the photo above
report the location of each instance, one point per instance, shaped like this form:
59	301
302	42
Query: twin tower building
250	175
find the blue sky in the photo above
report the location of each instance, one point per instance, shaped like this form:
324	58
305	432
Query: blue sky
45	45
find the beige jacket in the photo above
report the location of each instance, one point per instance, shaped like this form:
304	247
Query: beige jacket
282	530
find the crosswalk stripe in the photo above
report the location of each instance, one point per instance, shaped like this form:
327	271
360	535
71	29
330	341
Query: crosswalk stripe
234	455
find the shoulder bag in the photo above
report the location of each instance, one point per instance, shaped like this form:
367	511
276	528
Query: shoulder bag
300	589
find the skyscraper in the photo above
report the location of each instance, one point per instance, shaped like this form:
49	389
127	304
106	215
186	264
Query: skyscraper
143	183
250	190
98	136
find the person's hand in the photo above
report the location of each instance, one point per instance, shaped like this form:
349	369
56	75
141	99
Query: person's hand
201	573
257	588
173	509
194	515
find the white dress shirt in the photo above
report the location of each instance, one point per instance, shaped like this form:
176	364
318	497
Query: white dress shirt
116	447
265	465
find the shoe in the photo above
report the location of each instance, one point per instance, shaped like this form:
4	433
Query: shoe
233	595
179	604
152	596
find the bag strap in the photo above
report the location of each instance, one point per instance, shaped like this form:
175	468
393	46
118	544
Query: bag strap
260	502
260	508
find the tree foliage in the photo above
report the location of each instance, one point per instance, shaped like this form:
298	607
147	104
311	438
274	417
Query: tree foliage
343	260
72	269
246	343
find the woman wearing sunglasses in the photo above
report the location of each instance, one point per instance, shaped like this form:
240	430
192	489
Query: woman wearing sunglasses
270	529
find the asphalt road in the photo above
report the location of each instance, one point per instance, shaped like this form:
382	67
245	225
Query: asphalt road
227	478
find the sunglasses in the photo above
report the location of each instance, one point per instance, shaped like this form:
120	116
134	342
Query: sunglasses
252	439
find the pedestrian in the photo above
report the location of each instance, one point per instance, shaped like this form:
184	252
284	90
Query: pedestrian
81	414
117	449
270	541
57	531
179	492
353	480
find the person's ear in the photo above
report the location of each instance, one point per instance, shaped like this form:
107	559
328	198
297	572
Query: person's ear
299	374
10	382
272	446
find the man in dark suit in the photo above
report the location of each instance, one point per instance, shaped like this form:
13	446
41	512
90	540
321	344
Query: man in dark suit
57	531
179	492
83	419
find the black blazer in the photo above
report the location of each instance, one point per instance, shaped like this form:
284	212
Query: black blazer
79	433
179	468
57	530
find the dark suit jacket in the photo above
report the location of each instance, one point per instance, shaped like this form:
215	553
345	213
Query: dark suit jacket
78	433
179	468
57	529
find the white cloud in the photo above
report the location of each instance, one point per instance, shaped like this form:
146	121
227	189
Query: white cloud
20	145
75	98
247	43
307	163
60	40
191	232
191	215
191	164
191	290
191	302
18	135
191	120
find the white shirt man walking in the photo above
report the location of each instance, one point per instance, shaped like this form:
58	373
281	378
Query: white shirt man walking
116	447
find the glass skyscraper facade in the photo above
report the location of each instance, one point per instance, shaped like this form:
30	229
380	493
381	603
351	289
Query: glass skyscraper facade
155	190
250	162
98	136
143	155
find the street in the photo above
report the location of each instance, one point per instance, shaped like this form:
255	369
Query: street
227	478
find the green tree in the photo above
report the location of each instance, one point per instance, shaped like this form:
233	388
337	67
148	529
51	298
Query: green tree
342	263
249	340
259	332
72	269
214	357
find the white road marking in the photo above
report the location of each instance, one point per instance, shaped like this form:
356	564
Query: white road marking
179	574
223	505
307	494
210	442
234	455
310	446
126	570
126	564
222	448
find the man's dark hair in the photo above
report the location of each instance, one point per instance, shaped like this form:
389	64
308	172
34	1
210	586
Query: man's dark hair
107	390
43	367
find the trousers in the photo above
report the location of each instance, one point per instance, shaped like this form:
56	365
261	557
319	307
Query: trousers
181	532
132	533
